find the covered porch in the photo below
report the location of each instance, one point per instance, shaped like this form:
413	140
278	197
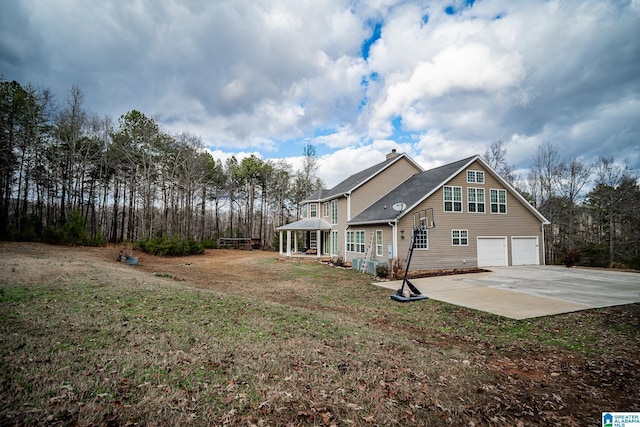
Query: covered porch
316	237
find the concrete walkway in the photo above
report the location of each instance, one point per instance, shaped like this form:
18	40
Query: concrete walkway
531	291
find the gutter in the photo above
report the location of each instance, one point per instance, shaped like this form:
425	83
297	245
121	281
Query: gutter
348	196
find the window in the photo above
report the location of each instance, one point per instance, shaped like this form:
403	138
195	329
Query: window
360	241
475	177
334	212
325	209
313	240
475	199
459	237
313	210
355	241
421	239
452	199
334	243
498	201
378	242
304	210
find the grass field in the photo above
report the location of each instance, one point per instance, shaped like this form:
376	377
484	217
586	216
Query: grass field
258	341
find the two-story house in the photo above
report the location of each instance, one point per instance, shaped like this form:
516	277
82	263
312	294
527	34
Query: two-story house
480	219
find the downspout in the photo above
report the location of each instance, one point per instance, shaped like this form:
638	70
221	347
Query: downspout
348	196
544	248
346	226
394	240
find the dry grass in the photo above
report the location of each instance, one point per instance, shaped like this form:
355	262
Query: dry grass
247	339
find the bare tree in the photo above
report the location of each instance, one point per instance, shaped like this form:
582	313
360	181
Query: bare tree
574	176
496	157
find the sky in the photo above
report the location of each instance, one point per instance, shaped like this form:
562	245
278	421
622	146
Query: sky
439	80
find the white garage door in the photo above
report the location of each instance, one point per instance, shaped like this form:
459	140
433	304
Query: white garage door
492	251
524	251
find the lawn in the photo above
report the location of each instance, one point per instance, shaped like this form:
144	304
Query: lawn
244	338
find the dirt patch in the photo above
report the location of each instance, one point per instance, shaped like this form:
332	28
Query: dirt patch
466	365
444	272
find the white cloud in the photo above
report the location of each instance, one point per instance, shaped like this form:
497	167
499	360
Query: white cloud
248	74
340	138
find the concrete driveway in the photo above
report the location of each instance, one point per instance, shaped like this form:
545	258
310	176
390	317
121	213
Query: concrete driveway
531	291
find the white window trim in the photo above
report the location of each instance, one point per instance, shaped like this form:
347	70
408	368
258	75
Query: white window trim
506	209
313	210
360	243
444	199
334	243
334	212
354	244
379	244
476	174
484	197
426	248
459	237
325	209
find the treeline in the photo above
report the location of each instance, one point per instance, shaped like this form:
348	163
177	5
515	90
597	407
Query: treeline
594	209
70	176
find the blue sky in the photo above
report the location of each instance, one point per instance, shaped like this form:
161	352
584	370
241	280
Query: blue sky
440	80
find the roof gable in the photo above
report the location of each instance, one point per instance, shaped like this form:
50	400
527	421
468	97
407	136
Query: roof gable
422	185
357	179
411	192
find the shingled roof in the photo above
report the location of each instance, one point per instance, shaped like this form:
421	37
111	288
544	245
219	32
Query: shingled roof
411	192
355	180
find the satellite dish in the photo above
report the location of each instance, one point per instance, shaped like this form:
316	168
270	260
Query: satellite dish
399	207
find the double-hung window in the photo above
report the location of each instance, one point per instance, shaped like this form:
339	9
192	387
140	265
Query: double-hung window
360	241
460	237
355	241
498	201
452	199
325	209
313	207
378	242
334	212
475	200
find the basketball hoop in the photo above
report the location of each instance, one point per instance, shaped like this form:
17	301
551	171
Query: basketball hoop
422	221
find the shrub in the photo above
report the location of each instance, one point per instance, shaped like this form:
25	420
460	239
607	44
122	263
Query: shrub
571	257
210	244
619	265
382	270
72	231
397	269
98	240
162	246
51	235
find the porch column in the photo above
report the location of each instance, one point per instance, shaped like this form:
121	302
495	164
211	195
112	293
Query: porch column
280	240
318	243
295	243
288	242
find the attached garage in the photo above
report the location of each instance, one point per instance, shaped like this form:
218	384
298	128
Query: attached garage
524	251
492	251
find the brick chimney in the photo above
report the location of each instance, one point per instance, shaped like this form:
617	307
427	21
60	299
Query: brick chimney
392	154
